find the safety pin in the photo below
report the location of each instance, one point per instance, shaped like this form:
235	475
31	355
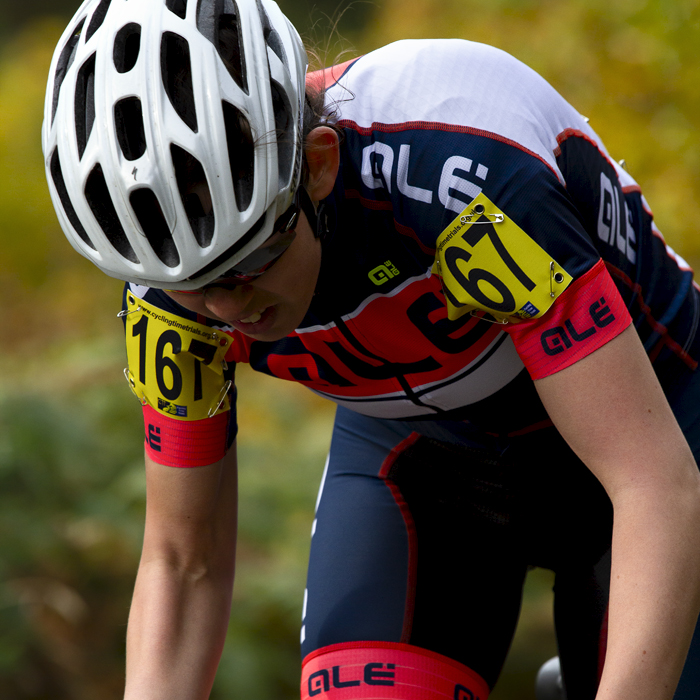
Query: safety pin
124	312
220	399
467	219
132	385
480	210
440	277
474	312
554	277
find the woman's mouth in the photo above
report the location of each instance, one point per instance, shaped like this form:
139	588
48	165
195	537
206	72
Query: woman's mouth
257	322
253	318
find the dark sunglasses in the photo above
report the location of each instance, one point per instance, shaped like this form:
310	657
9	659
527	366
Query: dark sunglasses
264	257
283	233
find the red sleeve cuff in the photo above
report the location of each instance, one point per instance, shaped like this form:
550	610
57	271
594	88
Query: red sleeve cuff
585	317
179	443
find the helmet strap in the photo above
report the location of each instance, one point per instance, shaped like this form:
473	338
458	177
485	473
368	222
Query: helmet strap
307	206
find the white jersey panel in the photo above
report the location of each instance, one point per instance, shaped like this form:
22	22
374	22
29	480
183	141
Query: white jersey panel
457	82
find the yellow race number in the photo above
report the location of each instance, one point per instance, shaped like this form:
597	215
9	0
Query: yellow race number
487	262
175	365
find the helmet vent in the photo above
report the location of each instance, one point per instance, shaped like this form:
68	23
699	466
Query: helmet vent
154	225
284	126
98	16
100	201
126	47
85	104
239	139
60	185
177	7
272	38
176	70
224	31
65	60
128	119
195	193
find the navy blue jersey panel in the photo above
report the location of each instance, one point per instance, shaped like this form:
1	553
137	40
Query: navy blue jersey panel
448	171
654	282
159	298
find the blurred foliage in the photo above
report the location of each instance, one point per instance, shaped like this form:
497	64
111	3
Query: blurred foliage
71	514
71	476
41	278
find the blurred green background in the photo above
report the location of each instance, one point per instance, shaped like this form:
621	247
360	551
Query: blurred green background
71	478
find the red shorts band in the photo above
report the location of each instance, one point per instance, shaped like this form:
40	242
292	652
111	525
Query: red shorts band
385	670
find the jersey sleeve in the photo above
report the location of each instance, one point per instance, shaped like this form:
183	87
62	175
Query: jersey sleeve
587	315
520	255
176	368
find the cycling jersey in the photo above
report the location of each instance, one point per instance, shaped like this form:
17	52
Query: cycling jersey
469	192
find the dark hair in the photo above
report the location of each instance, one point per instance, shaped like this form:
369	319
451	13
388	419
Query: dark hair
315	111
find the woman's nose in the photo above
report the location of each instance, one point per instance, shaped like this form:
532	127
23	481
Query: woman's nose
228	304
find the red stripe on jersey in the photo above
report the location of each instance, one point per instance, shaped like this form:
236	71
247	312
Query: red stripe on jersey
665	338
239	350
400	336
439	126
283	366
326	77
576	133
180	443
602	644
410	532
585	317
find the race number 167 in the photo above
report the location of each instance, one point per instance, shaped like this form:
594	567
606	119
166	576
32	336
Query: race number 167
201	353
470	282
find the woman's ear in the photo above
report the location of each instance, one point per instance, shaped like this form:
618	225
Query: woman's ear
323	160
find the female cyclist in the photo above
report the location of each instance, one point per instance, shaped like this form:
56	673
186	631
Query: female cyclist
434	239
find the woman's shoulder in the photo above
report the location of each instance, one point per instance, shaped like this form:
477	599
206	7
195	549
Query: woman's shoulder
437	65
431	53
452	82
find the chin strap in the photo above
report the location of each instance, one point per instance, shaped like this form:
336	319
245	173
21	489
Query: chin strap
317	220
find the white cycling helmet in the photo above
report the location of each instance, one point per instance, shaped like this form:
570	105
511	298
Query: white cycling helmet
172	134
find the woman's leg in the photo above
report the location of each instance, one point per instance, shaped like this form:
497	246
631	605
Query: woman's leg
412	545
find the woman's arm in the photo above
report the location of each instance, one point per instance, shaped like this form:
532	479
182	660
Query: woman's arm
613	413
182	599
